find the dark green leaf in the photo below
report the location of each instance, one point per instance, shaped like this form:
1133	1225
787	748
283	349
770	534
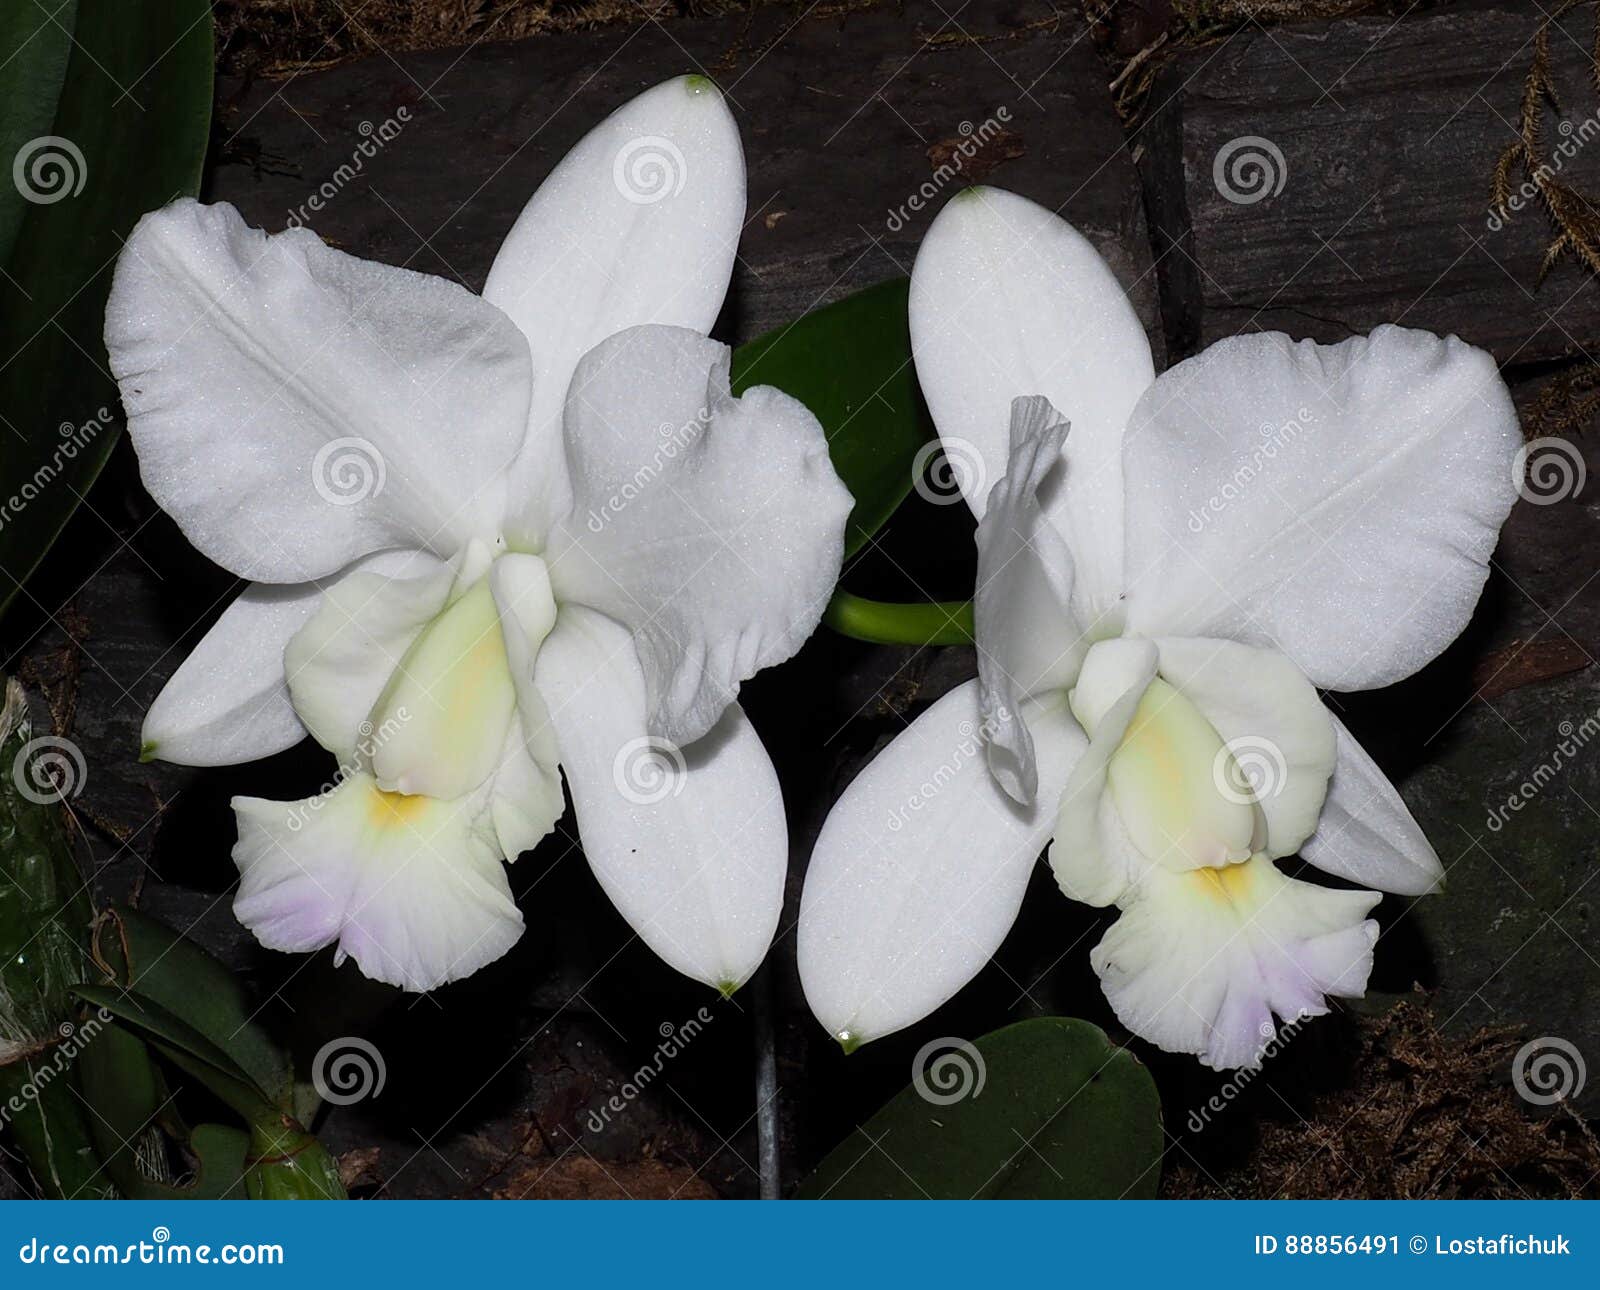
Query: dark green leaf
33	51
186	1047
850	363
132	1108
286	1163
135	106
44	923
47	1119
157	964
1058	1113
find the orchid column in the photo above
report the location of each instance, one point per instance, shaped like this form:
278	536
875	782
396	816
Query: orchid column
488	538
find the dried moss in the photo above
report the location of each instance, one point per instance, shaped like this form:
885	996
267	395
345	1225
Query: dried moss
279	37
1423	1116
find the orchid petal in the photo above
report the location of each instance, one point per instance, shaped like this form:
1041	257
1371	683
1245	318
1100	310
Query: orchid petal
449	703
1008	299
295	408
1200	961
689	843
713	527
412	888
1367	833
1093	857
227	701
339	663
1028	641
1278	734
1337	502
638	224
921	867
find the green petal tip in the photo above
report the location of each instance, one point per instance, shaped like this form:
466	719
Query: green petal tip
848	1041
147	750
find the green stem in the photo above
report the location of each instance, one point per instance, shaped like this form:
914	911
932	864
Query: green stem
941	622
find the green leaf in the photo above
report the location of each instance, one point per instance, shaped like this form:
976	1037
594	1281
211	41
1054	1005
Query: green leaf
283	1160
1049	1110
131	1111
135	106
850	363
157	964
51	1127
44	925
286	1163
186	1047
33	51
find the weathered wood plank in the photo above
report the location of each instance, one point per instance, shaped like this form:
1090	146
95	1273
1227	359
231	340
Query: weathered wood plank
1383	136
839	114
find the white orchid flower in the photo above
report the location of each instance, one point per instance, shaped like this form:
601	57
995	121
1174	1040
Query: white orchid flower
1161	590
466	573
